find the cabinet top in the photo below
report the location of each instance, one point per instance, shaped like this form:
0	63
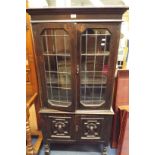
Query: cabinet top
79	6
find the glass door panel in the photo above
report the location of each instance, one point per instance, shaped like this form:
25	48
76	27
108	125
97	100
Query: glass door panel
94	49
57	66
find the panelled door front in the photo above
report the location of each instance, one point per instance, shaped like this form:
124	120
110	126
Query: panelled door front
96	58
55	52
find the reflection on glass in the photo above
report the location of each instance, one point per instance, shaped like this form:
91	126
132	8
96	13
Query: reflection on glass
57	66
94	48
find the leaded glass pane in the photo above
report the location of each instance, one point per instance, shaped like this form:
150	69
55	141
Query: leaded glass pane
94	49
57	65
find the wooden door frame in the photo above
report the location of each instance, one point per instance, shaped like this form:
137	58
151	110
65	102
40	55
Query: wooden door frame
114	29
70	29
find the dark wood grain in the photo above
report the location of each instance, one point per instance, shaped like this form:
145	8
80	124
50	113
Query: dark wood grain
77	123
60	11
76	126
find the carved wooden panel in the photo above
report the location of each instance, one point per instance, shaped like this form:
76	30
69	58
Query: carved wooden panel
60	127
91	128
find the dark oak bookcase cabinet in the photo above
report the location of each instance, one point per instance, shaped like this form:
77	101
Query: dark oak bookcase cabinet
76	52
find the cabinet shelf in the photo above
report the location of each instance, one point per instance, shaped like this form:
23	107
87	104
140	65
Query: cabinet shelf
57	72
95	82
92	53
93	35
61	103
99	86
58	81
92	103
63	88
50	35
56	54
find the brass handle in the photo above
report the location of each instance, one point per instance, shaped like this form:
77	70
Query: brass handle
77	69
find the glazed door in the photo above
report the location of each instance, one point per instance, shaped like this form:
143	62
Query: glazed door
55	52
97	54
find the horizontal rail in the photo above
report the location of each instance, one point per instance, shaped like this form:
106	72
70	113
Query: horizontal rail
76	20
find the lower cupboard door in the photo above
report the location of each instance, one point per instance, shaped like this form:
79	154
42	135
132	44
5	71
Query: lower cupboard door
94	128
60	127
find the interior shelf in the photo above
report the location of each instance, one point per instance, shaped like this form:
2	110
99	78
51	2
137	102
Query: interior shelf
56	54
50	35
105	34
59	102
63	88
58	72
95	81
92	53
92	102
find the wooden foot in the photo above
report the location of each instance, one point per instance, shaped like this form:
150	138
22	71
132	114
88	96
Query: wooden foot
105	152
47	149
